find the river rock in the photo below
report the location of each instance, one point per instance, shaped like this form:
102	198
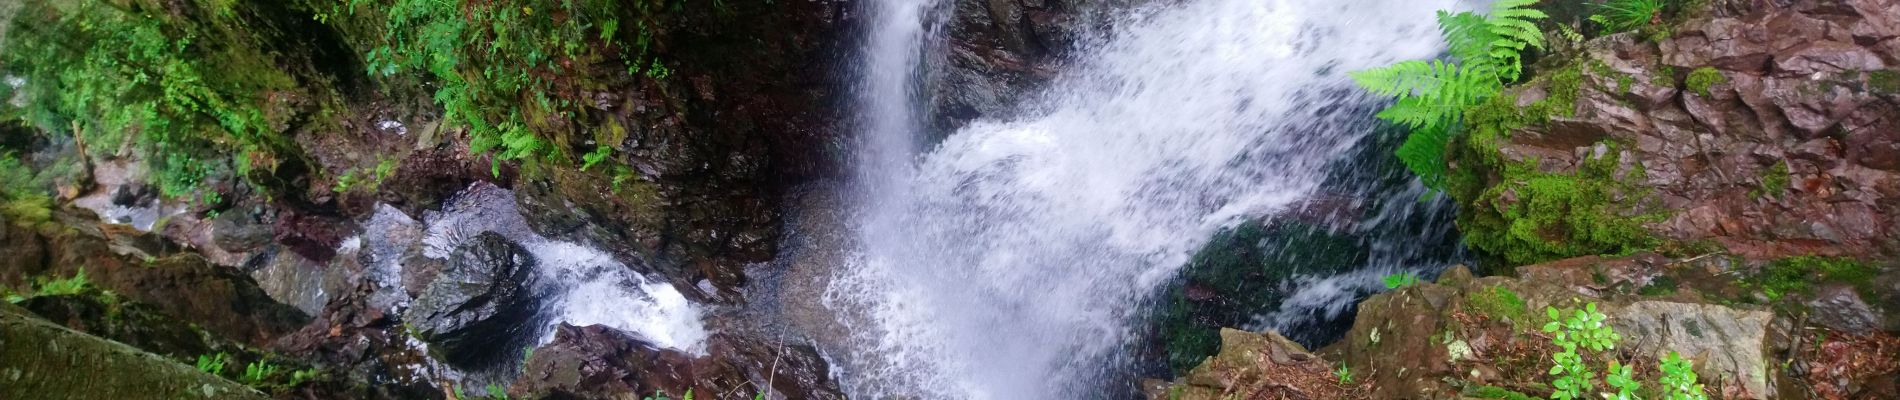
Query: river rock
1256	366
480	304
597	362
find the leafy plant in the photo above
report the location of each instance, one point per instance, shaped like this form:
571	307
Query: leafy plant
1344	374
1583	329
1622	378
301	376
257	372
513	71
1432	96
1401	280
54	287
1679	379
212	364
1628	15
495	391
98	71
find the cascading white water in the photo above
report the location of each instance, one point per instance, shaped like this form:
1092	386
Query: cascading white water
1011	259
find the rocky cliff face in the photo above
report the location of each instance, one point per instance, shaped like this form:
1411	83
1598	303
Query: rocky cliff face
1768	131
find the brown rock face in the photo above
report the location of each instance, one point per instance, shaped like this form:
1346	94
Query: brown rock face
1769	130
1258	366
597	362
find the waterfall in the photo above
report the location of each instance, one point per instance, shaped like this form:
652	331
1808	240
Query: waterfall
1012	259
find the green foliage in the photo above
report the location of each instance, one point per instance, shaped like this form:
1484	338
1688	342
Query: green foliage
1622	378
1799	275
1401	280
186	91
1774	181
513	72
1432	95
256	373
1701	79
1583	329
23	198
70	286
1343	373
1679	379
212	364
303	375
495	391
1628	15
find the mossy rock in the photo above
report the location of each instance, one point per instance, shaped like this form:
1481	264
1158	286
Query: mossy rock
41	360
1244	272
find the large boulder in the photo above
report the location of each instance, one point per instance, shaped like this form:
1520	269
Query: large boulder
597	362
1258	366
482	302
41	360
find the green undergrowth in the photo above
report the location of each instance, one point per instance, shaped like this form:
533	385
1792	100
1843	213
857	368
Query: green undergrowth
1800	274
519	75
1522	214
178	83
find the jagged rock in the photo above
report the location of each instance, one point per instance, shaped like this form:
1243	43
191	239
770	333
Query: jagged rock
132	323
40	360
597	362
1793	151
1256	366
480	303
1839	307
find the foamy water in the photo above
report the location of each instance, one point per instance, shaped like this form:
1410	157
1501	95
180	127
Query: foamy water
1011	260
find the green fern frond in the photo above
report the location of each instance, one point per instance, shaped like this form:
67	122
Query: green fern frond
1424	153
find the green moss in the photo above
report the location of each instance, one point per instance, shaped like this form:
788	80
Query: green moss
1701	79
1660	286
1884	81
1774	181
1494	392
1799	275
1499	302
1515	213
1665	77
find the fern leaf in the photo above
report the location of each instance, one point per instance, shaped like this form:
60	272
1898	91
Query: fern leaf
1424	153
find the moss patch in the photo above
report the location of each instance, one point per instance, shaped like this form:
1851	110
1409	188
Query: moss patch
1701	79
1498	302
1774	181
1799	275
1884	81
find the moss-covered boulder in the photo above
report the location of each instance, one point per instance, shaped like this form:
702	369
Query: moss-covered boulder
41	360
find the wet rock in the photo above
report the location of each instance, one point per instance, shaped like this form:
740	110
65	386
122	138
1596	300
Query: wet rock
42	360
1839	307
479	304
1241	274
597	362
1257	366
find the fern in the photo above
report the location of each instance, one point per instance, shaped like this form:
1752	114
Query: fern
1431	96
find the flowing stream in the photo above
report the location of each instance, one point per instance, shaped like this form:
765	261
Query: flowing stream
1013	259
